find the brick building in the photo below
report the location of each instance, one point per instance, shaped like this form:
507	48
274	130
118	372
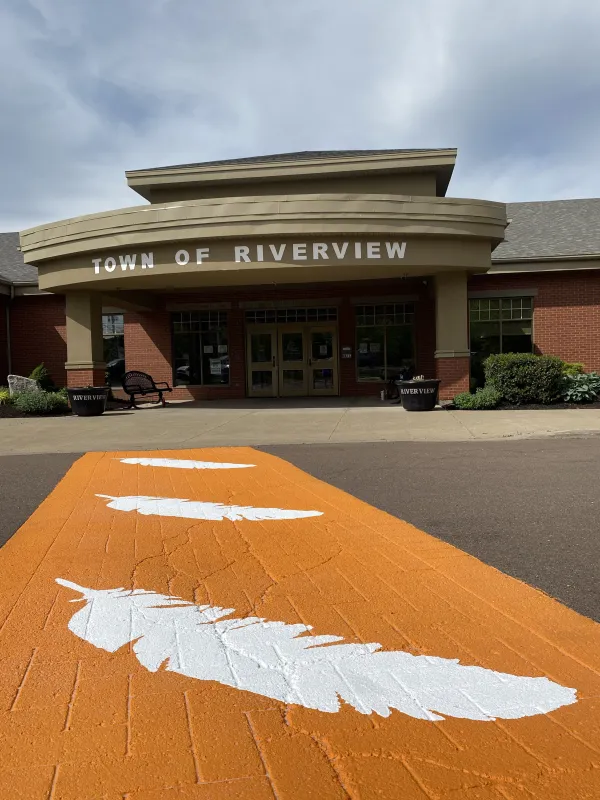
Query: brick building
302	274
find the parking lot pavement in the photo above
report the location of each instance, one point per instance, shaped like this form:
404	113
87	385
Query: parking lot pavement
220	624
24	483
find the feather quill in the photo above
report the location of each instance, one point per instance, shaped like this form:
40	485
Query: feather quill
198	509
280	661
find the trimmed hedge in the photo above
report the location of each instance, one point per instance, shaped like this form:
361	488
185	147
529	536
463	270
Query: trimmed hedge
525	378
482	400
41	403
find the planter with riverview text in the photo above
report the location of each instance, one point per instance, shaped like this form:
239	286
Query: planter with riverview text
419	395
88	401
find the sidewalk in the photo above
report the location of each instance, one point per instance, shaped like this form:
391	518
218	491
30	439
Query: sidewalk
284	422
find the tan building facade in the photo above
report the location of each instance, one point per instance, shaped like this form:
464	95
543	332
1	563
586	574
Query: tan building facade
302	274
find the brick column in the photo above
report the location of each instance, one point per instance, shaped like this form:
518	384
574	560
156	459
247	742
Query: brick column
85	358
85	377
453	357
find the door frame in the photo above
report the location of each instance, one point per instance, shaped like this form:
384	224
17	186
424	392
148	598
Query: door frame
330	363
262	366
282	329
276	330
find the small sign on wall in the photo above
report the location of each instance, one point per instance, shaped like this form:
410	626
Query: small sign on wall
346	352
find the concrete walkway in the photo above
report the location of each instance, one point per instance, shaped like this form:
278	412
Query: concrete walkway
285	422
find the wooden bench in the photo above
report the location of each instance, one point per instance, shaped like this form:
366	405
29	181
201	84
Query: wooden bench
140	384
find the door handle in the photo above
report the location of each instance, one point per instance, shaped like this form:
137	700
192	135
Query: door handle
310	362
273	360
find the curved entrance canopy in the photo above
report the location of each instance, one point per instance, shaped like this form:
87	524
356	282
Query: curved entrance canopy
303	219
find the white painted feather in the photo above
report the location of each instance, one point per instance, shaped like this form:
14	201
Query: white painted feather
196	509
276	660
183	463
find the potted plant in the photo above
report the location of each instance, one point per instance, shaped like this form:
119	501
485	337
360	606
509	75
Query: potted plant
88	401
419	393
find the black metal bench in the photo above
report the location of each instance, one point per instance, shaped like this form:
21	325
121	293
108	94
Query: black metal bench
140	384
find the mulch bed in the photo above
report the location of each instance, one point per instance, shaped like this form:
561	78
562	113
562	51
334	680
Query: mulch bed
533	407
10	411
528	407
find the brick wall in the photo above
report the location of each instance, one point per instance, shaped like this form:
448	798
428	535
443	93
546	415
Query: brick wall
566	316
38	334
3	340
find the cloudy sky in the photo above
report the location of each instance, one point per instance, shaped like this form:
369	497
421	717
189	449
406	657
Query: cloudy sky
90	89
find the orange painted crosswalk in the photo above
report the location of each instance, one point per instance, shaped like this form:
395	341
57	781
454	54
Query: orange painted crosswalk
230	627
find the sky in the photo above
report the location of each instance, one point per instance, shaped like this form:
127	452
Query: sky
91	89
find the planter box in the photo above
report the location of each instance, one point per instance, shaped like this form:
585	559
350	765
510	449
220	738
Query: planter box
419	395
88	401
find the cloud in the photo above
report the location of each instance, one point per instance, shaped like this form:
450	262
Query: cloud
98	88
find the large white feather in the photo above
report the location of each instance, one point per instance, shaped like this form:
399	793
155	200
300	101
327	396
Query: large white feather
183	463
276	660
196	509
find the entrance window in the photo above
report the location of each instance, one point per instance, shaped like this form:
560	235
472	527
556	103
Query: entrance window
272	316
113	336
200	348
384	340
499	325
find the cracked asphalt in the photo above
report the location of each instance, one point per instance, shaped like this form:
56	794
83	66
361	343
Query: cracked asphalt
529	508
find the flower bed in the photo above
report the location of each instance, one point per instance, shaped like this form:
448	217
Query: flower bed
526	381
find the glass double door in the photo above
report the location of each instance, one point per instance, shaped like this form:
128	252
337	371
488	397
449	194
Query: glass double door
292	360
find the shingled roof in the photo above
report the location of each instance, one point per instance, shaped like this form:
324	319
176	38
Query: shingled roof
303	155
551	229
13	268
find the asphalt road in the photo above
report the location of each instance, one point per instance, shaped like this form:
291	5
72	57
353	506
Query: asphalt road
529	508
24	483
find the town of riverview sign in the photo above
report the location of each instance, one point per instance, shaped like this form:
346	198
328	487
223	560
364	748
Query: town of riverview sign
355	251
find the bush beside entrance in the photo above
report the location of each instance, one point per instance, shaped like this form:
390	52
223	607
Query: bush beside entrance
524	378
519	379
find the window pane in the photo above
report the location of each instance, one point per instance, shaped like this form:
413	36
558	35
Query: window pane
262	380
114	347
292	346
517	337
370	353
485	340
321	345
261	348
399	349
185	364
322	379
293	380
215	357
201	354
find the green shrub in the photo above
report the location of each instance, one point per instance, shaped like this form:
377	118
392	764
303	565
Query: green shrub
572	369
525	378
42	376
581	388
41	403
482	400
5	398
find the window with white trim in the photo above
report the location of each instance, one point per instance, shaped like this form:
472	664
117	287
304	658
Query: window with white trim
498	325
